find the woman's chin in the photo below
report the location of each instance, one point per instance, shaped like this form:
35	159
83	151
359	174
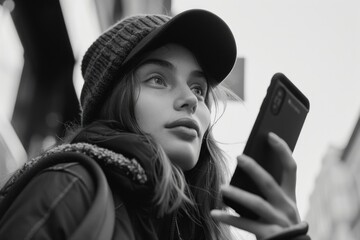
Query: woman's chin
185	159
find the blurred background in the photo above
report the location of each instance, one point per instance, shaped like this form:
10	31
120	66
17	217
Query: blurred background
314	43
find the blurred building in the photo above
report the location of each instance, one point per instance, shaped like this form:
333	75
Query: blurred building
334	208
46	99
12	155
41	45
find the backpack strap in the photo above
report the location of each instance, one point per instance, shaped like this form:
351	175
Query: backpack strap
100	219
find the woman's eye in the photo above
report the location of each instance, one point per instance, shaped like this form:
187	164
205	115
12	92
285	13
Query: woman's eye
157	81
199	91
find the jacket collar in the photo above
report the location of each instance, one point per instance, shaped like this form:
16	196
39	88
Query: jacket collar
127	160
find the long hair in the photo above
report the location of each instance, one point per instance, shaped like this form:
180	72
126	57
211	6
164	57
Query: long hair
209	174
169	178
196	191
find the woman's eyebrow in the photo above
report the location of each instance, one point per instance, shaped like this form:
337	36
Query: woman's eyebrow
170	66
160	62
198	73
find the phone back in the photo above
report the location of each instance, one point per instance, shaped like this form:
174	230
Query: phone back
282	112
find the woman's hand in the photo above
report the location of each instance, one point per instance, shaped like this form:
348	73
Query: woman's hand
279	212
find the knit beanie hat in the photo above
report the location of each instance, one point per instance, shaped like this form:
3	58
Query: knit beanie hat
119	48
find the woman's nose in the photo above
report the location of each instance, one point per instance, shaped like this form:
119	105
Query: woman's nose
186	100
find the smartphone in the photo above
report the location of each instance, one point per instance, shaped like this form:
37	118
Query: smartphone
283	112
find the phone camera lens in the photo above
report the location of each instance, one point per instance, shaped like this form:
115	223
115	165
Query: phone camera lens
277	100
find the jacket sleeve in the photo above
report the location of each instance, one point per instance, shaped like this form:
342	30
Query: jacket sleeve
297	232
51	205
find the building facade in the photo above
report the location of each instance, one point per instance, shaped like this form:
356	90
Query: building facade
334	208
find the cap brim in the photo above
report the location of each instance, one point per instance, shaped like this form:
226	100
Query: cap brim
203	33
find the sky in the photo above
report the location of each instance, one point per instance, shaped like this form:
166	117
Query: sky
314	43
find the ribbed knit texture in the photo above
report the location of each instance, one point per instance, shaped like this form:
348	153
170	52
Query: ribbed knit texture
102	63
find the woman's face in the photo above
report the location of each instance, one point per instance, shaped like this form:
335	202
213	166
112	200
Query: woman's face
171	103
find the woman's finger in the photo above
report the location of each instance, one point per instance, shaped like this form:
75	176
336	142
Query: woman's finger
274	194
263	180
256	204
261	230
284	154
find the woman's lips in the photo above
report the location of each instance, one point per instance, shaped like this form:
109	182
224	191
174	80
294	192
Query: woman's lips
185	127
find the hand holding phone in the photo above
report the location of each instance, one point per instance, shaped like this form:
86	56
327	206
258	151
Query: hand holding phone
282	112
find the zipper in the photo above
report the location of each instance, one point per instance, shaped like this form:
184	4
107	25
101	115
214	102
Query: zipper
172	228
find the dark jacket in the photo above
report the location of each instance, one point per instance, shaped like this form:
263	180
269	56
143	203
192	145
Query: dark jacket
55	202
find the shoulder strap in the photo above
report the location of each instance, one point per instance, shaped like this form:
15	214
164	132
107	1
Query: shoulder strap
100	219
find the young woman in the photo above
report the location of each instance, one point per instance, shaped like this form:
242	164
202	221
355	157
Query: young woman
150	83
